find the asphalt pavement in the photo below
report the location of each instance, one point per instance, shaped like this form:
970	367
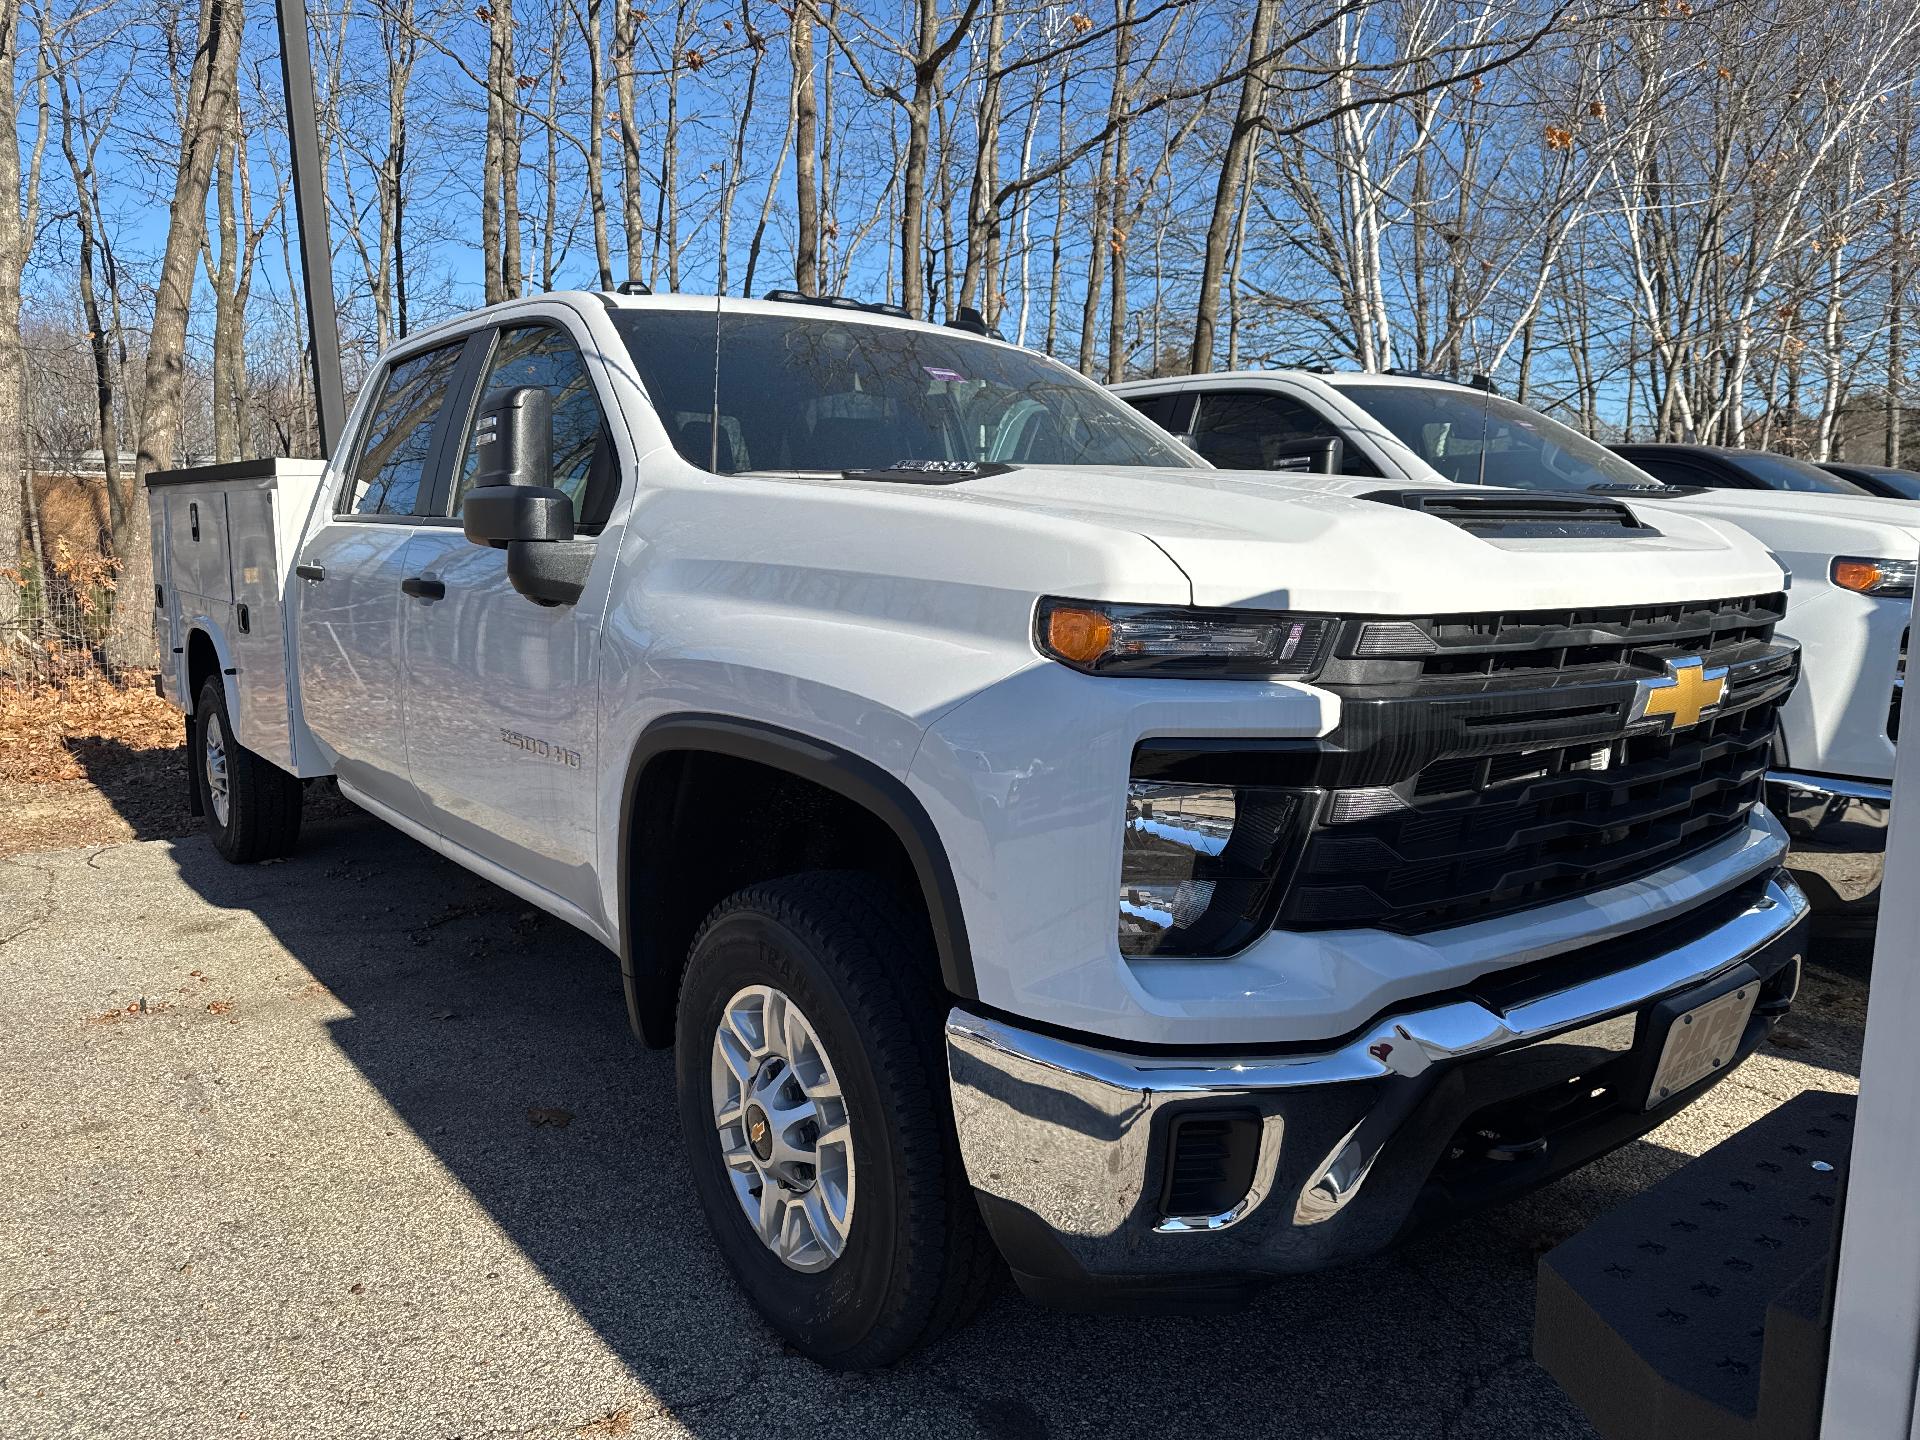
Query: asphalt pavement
357	1145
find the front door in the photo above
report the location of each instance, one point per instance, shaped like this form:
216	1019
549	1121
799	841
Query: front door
352	681
502	698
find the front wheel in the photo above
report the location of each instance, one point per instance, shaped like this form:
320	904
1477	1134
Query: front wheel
252	805
812	1095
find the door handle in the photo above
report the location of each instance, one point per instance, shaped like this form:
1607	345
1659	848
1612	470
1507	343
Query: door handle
311	572
421	588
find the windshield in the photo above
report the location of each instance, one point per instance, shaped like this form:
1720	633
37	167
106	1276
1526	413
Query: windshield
1783	472
1898	484
834	394
1482	439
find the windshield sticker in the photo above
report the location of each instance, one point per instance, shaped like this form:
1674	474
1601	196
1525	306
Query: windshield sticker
952	377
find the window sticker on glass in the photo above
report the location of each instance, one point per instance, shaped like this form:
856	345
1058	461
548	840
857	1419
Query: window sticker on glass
952	377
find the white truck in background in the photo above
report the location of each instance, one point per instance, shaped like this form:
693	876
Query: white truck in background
1851	558
1034	840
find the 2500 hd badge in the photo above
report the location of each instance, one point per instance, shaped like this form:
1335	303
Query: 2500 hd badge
540	749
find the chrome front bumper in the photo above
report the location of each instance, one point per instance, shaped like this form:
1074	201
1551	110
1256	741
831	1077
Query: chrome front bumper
1831	812
1065	1143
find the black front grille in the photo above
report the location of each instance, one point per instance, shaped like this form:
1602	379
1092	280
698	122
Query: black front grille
1487	835
1380	651
1487	764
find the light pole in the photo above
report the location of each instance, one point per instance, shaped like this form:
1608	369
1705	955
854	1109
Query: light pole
310	210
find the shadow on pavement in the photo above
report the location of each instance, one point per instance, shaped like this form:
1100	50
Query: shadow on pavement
499	1036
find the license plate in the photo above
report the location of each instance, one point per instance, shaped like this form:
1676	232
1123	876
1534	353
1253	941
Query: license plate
1702	1041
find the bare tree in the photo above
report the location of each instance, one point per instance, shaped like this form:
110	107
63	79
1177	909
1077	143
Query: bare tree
14	235
1233	173
210	97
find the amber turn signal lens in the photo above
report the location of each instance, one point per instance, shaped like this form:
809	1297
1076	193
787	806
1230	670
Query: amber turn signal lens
1861	575
1081	636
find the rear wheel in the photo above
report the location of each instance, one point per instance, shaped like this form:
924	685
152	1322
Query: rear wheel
812	1095
252	805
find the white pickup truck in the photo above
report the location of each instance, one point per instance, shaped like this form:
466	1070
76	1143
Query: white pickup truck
1851	557
1033	839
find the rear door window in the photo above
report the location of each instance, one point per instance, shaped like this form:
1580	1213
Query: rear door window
1265	430
397	446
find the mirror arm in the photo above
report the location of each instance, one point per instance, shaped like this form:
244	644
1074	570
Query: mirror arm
549	572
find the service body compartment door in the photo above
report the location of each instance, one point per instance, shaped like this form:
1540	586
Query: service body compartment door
258	689
197	543
166	606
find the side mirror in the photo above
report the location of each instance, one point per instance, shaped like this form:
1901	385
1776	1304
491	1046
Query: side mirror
513	507
1323	455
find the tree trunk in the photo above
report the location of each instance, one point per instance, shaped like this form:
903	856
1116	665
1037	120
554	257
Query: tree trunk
1247	183
224	273
13	364
1119	222
596	143
493	160
99	342
1896	294
1059	223
1100	236
983	216
1226	192
737	161
806	173
626	29
913	190
210	97
512	274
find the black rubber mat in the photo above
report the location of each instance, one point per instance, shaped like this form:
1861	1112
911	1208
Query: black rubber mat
1661	1318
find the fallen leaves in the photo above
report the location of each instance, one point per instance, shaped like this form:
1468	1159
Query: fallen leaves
142	1006
46	729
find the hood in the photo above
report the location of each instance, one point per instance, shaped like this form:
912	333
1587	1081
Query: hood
1311	542
1802	526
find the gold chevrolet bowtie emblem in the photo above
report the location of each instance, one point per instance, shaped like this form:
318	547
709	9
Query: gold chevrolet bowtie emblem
1684	694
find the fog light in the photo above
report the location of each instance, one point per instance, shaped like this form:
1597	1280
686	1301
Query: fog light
1198	865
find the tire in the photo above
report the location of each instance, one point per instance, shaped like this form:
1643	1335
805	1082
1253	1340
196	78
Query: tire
252	806
915	1261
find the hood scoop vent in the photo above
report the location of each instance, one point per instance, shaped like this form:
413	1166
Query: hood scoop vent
1522	514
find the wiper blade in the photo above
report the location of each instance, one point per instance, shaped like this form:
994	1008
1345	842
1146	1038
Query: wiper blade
1622	487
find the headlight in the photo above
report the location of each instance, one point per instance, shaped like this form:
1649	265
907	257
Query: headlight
1199	863
1165	640
1891	578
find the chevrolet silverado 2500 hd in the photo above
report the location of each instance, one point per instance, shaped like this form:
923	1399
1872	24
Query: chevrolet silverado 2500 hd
1033	839
1851	557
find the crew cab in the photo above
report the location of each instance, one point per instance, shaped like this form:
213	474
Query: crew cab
1039	845
1851	556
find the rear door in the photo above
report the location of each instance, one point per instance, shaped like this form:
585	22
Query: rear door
502	697
352	684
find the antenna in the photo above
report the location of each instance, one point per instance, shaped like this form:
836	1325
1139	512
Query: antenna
713	425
